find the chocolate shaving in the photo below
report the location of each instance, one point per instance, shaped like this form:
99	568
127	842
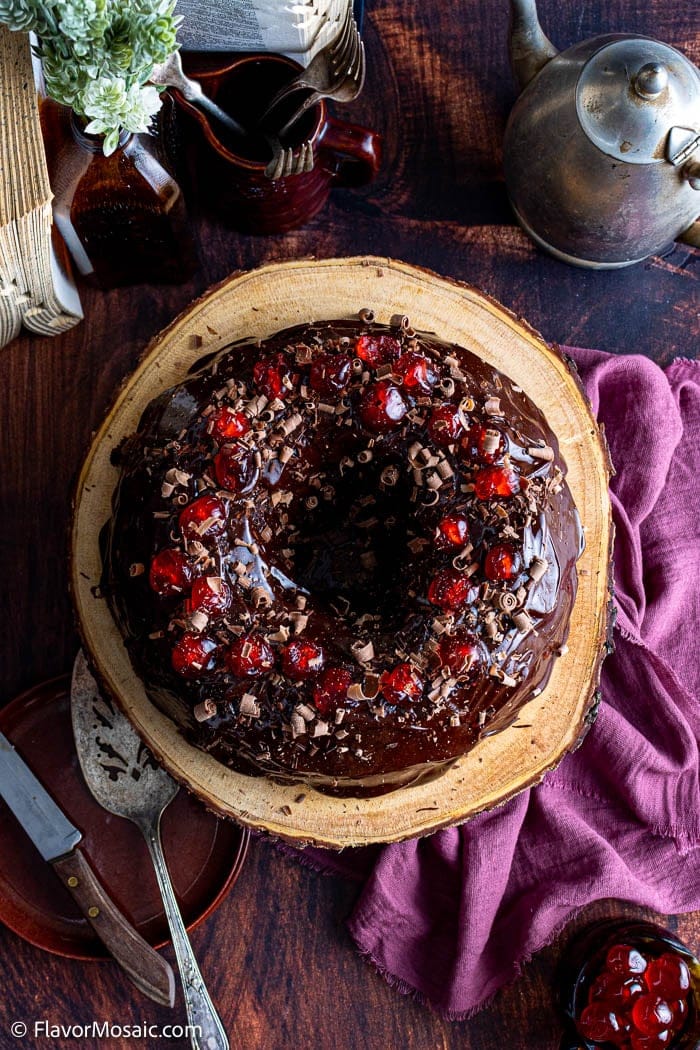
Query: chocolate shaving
204	710
362	651
523	622
537	569
417	544
248	706
298	725
492	439
546	454
300	621
261	598
506	601
400	321
198	620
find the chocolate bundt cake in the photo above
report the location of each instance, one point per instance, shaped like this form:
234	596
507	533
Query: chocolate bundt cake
343	554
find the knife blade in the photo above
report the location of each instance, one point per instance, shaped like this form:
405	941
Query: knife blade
57	839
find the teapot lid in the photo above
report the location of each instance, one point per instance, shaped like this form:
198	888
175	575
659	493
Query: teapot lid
631	93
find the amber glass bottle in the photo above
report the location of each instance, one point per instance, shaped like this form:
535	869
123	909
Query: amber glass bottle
122	217
630	985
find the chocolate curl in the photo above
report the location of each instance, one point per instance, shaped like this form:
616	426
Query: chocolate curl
205	710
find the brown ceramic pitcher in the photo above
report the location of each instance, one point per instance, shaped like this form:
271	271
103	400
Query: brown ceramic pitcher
229	170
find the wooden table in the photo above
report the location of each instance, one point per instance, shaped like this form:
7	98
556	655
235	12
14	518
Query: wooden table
279	962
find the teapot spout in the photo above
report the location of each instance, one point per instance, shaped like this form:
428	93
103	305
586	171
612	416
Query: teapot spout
530	49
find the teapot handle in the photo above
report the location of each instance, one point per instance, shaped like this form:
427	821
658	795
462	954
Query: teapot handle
692	235
691	173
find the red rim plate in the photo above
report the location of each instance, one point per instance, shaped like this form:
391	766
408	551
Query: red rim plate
204	854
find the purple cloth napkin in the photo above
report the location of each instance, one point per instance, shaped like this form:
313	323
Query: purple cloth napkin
452	917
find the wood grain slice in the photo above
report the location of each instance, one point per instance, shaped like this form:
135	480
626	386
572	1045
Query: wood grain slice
260	303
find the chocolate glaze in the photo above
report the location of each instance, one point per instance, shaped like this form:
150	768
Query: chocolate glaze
312	547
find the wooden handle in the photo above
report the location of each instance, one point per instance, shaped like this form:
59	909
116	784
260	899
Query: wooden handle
149	972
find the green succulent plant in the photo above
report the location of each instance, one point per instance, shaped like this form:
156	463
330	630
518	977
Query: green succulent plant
97	56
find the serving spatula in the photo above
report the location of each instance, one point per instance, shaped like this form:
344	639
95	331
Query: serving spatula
124	777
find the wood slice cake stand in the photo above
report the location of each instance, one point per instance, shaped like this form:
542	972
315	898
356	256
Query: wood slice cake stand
263	302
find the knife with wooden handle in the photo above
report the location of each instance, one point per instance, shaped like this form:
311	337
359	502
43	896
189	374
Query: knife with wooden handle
56	839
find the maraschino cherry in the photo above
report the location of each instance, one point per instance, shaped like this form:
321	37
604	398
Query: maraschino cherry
445	426
452	531
193	654
302	658
272	376
667	976
234	467
330	374
377	349
210	593
170	573
225	424
382	406
418	372
502	562
249	655
205	516
401	685
635	1002
485	444
451	590
460	653
331	690
495	482
601	1024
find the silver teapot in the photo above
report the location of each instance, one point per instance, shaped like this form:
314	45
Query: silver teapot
602	148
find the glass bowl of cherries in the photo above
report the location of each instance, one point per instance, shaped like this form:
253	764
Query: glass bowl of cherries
630	985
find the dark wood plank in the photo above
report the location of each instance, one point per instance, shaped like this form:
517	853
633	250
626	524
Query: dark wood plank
277	957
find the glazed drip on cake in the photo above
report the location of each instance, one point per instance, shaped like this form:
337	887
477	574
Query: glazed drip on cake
350	547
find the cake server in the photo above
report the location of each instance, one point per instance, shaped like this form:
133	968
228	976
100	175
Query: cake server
56	840
126	780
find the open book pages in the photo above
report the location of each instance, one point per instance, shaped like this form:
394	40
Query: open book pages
35	284
297	28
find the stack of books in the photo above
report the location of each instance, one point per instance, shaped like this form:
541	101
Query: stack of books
297	28
36	288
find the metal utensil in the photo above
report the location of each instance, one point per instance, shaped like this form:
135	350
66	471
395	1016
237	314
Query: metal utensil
171	74
337	72
125	778
283	163
287	161
56	840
